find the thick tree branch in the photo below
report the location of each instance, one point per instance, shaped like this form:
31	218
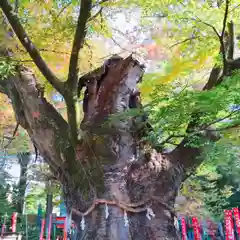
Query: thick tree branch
222	48
221	39
236	125
72	81
207	24
204	127
169	138
193	154
72	119
225	18
29	46
213	78
85	12
216	70
227	51
231	114
234	64
42	121
230	52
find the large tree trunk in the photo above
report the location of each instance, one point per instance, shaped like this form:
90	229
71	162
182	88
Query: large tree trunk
49	208
109	164
149	188
118	166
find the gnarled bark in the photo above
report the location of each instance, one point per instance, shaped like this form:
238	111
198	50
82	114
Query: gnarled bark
118	166
110	161
111	164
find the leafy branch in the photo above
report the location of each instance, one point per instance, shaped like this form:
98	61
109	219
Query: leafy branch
99	12
167	140
99	3
183	146
7	68
29	46
10	139
220	37
184	41
215	78
233	113
236	125
62	10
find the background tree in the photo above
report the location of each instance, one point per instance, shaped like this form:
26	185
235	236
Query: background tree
216	182
19	190
110	156
6	206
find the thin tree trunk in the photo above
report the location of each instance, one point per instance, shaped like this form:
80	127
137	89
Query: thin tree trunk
49	208
23	160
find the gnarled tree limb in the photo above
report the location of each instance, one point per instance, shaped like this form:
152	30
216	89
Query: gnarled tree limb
192	155
41	120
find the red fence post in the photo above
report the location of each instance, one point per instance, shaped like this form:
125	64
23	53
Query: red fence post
14	222
196	229
42	229
237	219
184	230
228	225
49	227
